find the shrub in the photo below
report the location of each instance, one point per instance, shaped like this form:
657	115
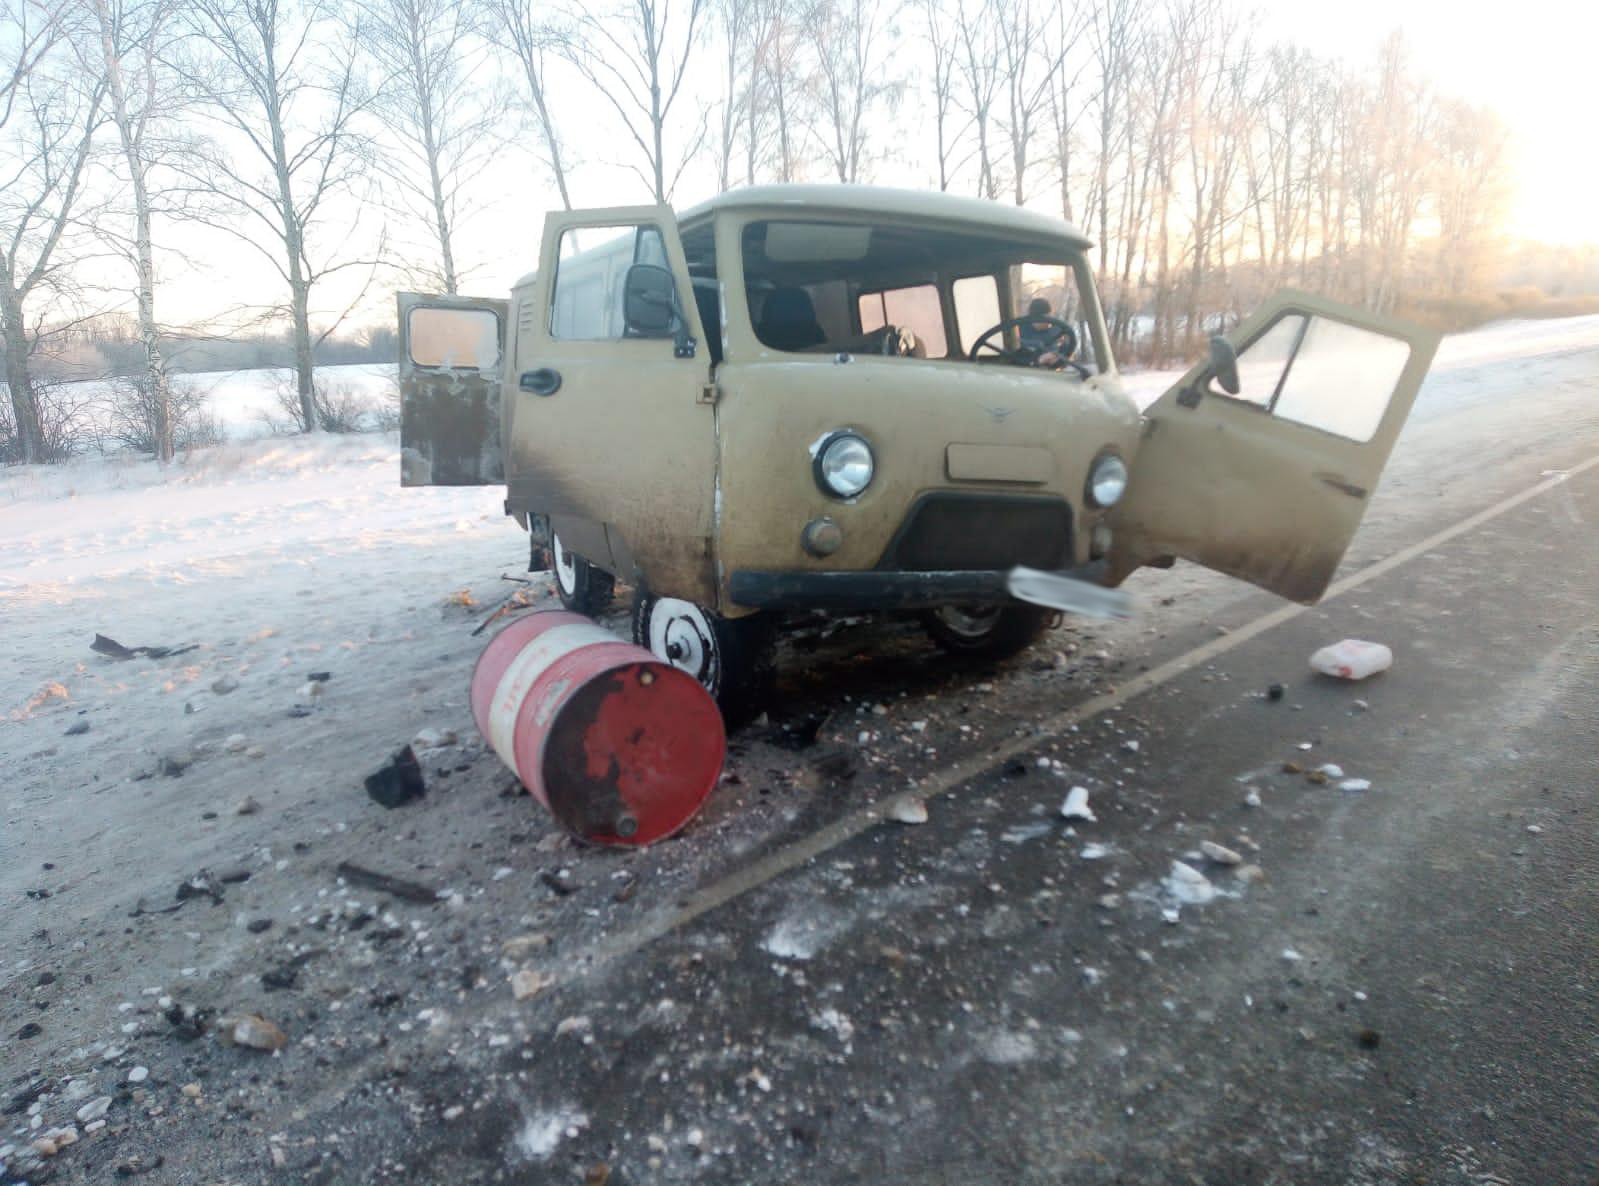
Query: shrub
337	408
66	423
135	415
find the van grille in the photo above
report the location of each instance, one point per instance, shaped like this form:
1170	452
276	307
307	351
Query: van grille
953	532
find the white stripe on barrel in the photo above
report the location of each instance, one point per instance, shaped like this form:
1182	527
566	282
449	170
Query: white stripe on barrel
531	663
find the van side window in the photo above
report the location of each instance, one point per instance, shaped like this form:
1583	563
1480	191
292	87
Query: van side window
586	298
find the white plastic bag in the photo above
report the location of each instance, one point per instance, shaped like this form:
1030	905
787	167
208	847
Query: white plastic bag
1352	659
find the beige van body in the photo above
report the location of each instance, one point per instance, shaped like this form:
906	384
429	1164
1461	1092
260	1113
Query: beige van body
687	401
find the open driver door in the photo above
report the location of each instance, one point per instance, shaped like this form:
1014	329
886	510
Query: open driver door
450	354
1264	473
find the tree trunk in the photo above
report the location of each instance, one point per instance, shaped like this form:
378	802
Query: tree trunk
24	407
155	378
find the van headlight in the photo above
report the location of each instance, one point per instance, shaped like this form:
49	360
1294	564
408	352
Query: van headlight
1107	481
844	464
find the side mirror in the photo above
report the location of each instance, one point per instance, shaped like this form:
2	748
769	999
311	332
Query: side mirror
1224	364
649	301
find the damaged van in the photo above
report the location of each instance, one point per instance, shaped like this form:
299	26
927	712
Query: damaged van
852	398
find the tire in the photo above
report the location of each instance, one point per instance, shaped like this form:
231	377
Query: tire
582	588
987	632
731	657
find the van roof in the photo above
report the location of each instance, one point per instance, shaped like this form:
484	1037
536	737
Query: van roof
891	203
894	203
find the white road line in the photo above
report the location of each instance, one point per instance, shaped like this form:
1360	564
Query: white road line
760	872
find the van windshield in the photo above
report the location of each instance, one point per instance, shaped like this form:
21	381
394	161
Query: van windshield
833	286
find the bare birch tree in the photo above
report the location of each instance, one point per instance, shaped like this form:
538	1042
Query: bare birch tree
439	126
279	79
50	110
131	40
943	44
522	29
977	63
739	23
637	57
1030	58
785	79
853	46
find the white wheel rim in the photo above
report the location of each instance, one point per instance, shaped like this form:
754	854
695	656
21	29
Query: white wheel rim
565	567
681	634
971	622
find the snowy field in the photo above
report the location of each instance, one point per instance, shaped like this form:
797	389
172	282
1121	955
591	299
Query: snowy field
247	403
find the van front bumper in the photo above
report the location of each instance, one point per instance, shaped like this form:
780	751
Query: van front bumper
877	589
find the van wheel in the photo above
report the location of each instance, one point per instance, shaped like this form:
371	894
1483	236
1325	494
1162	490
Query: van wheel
987	631
583	589
731	657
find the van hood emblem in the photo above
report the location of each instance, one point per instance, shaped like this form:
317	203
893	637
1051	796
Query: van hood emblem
998	413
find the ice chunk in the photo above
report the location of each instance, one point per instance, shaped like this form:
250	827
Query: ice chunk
1188	885
1076	805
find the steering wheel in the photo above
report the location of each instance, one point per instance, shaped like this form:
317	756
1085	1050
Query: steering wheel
1027	356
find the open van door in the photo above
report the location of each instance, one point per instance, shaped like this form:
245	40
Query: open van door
1261	461
450	353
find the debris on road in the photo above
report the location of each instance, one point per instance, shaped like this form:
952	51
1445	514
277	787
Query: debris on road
1188	886
1355	784
201	885
77	729
1076	806
1275	692
1352	659
529	983
112	649
252	1031
907	809
1219	854
397	887
426	739
398	782
174	764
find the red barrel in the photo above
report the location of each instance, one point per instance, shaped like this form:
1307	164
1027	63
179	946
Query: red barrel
622	748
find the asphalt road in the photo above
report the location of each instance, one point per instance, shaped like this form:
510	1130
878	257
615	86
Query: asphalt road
1409	993
1402	987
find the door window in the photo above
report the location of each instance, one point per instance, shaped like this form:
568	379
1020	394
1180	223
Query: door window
1323	373
917	309
591	265
976	308
460	339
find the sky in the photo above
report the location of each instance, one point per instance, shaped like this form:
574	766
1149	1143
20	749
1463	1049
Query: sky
1533	62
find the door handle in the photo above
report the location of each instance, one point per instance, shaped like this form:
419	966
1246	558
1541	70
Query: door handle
543	381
